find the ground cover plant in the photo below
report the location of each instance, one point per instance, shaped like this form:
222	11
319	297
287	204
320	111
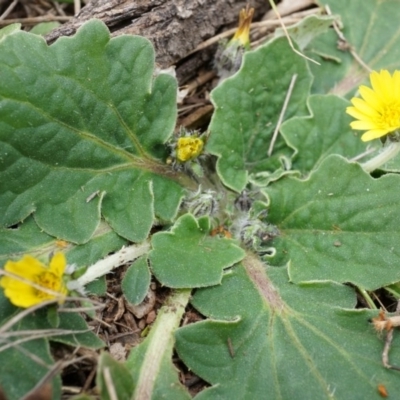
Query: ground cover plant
271	238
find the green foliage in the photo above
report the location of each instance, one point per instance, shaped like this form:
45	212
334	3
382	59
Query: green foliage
290	341
307	29
326	131
113	377
25	346
188	257
44	28
247	108
91	143
136	281
327	226
260	245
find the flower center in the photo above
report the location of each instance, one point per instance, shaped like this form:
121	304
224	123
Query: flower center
47	280
188	148
390	116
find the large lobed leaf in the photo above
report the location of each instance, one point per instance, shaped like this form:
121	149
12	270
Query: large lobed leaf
247	108
269	339
188	257
82	128
340	224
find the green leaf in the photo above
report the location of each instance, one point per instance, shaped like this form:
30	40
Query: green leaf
114	374
370	28
326	131
136	281
269	339
7	310
29	361
247	108
97	287
307	29
72	321
25	367
53	318
340	224
23	364
189	257
9	30
25	238
83	125
150	363
44	28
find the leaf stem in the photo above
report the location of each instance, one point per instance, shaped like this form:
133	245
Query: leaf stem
159	344
103	267
394	293
387	153
367	298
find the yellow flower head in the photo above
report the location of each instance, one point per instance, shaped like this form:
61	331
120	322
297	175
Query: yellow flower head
378	112
188	147
24	290
242	34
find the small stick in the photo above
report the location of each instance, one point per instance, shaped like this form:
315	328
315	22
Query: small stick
273	6
8	10
92	196
282	114
110	384
364	154
77	7
230	348
34	20
346	43
387	323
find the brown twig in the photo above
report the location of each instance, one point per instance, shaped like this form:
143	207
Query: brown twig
282	114
344	44
8	10
381	323
34	20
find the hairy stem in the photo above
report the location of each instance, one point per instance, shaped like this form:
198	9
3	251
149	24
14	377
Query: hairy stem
387	153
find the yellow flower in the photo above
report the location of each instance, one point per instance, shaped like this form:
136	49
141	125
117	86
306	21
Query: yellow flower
378	112
242	34
24	290
188	147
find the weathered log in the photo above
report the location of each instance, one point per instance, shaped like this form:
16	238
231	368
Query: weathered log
175	27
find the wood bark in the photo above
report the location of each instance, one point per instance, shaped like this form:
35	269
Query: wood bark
175	27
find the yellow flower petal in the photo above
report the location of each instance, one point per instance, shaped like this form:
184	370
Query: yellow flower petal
32	282
357	114
362	106
242	34
24	297
373	134
28	266
362	125
378	111
381	82
370	97
58	264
